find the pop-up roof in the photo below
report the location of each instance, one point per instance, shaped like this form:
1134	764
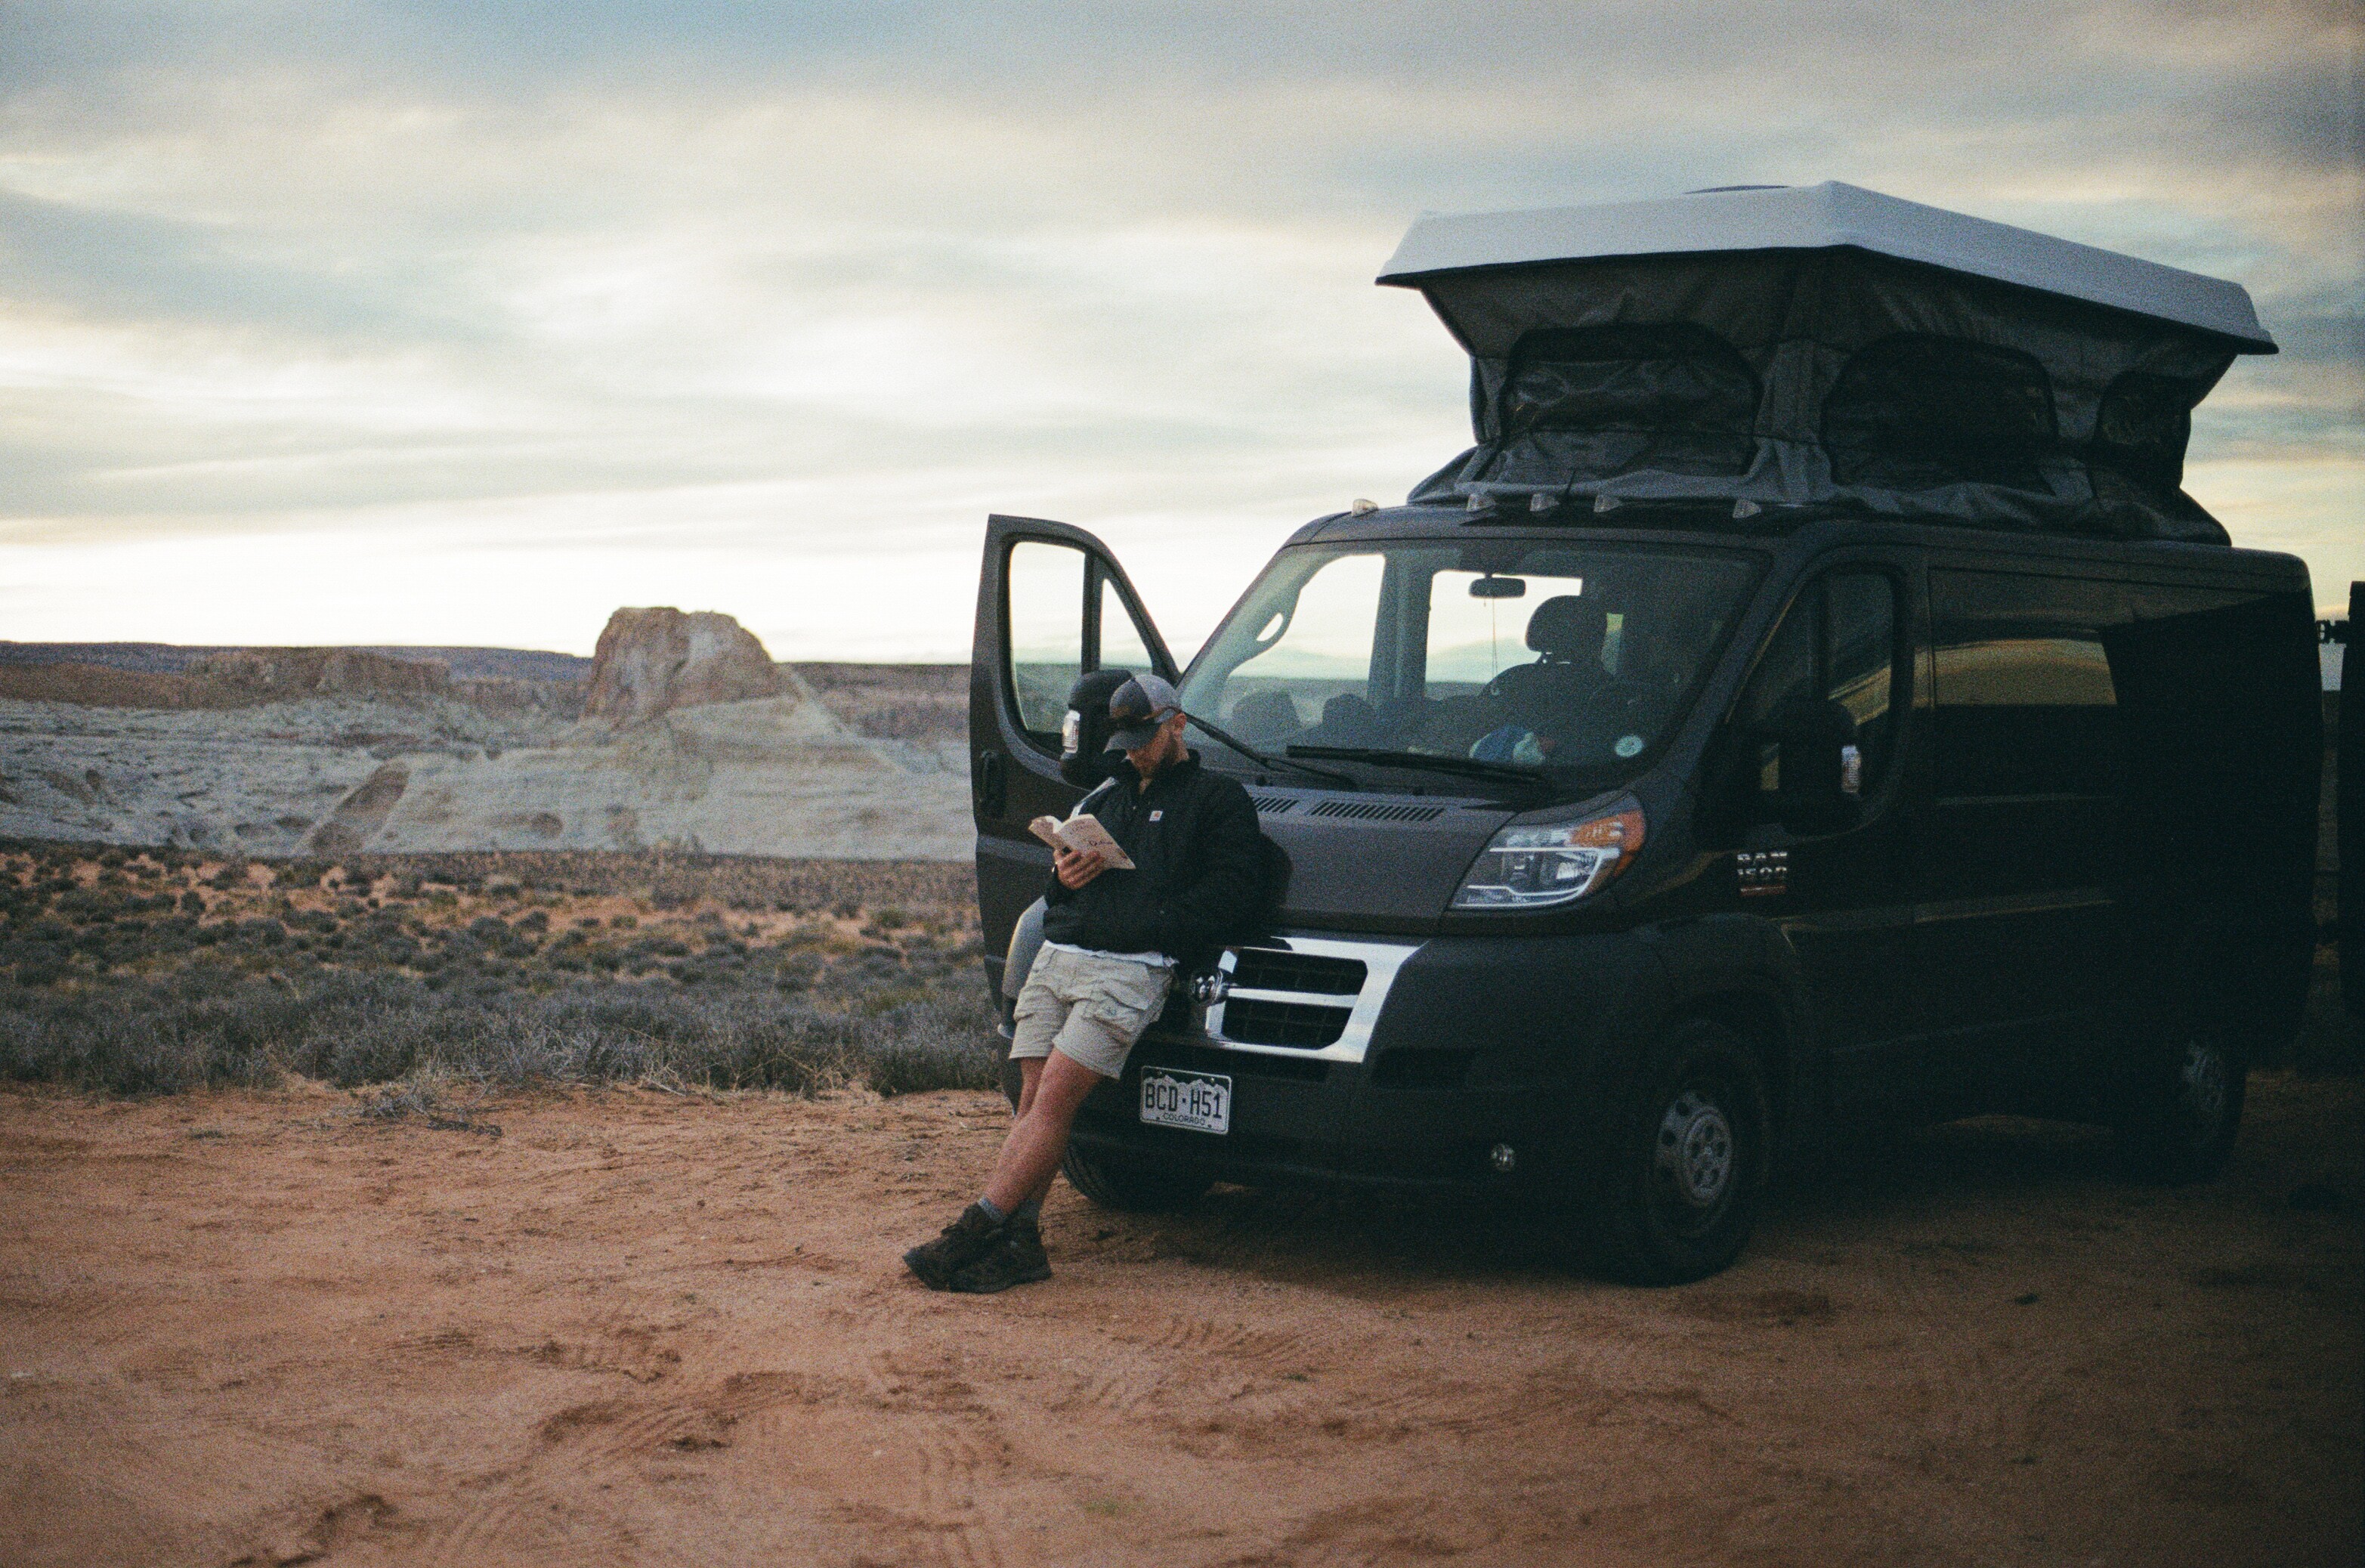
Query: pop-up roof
1826	345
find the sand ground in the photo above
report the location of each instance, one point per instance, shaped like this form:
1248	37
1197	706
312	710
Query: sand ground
646	1327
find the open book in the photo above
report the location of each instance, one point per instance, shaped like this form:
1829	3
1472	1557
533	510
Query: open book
1082	832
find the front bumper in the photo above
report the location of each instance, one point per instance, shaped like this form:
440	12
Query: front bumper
1446	1052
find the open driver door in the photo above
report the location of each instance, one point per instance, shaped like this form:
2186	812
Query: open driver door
1052	605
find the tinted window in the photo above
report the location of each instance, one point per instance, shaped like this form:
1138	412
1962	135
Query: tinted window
2026	704
2213	693
1838	643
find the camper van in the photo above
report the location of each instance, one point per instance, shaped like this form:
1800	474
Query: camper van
1812	701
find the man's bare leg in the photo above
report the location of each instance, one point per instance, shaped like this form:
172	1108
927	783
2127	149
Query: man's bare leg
1030	1076
1038	1136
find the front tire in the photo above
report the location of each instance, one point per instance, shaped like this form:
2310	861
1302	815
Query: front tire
2185	1109
1686	1173
1113	1184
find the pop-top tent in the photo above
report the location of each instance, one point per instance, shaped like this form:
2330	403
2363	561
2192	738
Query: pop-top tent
1825	345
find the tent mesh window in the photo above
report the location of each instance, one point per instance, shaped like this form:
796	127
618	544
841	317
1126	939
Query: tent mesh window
1914	412
1590	402
2142	428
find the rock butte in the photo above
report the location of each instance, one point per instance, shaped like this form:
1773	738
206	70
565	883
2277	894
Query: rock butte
654	661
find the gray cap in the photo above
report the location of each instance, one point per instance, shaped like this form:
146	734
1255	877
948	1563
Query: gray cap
1136	709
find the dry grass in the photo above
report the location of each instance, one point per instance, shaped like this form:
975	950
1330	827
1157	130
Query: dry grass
136	972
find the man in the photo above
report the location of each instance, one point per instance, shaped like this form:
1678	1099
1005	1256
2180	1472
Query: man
1111	942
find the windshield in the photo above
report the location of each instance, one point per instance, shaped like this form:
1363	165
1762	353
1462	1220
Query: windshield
1574	661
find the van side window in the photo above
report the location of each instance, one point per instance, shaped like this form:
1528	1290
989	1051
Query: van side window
2026	704
1837	643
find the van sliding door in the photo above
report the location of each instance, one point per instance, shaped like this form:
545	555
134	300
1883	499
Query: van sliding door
1052	604
2019	937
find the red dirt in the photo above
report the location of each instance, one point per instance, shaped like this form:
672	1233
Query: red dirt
637	1328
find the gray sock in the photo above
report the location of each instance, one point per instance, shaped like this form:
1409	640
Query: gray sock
991	1211
1031	1211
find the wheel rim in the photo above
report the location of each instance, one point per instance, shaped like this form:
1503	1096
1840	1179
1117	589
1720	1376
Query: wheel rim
1693	1156
2201	1085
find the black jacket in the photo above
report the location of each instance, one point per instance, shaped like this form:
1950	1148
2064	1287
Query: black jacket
1199	862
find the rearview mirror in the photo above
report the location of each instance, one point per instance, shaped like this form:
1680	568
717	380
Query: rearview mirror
1498	587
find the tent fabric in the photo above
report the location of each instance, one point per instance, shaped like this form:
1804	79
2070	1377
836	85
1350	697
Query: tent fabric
1795	377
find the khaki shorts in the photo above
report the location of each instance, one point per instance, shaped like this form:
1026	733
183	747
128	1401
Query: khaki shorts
1090	1009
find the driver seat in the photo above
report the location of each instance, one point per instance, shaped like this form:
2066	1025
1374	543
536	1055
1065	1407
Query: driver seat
1567	633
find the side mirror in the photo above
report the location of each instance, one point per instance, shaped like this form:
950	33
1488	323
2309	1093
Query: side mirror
1820	765
1084	732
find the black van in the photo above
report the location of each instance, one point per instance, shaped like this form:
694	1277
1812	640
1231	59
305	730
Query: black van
1662	790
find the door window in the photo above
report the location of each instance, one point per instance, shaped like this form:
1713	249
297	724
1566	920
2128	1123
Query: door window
1122	644
2026	704
1046	631
1836	644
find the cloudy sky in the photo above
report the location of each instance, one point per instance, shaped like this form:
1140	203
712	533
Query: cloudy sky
465	323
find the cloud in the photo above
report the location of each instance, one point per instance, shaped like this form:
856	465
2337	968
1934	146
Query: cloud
639	291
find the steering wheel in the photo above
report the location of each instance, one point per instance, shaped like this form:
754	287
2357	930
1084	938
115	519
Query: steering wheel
1494	689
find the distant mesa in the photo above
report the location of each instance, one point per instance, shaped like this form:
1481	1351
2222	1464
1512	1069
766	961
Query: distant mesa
278	674
654	661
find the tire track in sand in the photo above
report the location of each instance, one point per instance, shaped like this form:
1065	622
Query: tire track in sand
616	1436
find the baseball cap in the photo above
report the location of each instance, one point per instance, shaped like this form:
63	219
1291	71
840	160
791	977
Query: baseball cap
1135	709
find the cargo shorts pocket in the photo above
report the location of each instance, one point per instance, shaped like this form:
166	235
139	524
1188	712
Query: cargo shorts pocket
1124	997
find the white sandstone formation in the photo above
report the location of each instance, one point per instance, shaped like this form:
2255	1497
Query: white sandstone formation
667	757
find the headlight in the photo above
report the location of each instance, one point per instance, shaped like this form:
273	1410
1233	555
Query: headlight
1526	868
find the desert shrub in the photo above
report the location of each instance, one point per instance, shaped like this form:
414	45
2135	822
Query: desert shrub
115	990
211	1024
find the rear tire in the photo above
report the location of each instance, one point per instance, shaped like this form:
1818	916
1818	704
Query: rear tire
1113	1184
1680	1189
2184	1110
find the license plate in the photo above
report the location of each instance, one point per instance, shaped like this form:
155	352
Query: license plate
1199	1100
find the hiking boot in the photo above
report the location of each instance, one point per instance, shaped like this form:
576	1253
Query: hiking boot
963	1242
1016	1258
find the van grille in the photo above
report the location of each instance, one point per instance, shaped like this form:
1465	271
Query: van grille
1254	1021
1376	811
1264	968
1300	993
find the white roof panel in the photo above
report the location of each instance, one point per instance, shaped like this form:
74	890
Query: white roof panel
1817	218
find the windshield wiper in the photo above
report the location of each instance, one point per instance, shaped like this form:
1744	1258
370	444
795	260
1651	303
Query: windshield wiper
1468	767
1343	780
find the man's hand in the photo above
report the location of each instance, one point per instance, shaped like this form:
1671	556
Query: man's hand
1076	866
